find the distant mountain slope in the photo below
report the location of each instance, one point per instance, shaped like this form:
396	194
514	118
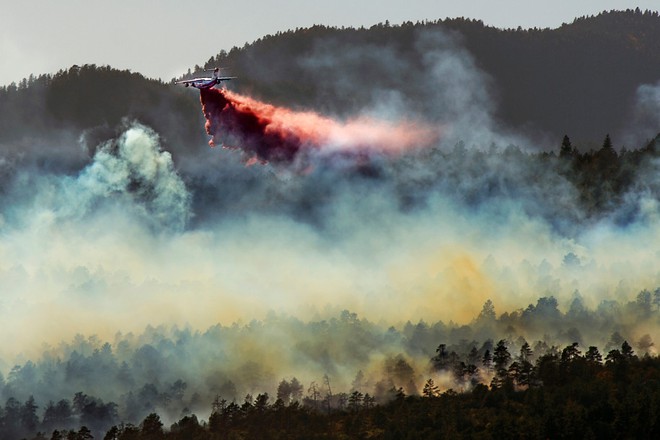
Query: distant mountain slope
581	78
578	79
42	118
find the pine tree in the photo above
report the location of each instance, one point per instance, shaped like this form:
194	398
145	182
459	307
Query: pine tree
501	359
566	151
29	418
430	389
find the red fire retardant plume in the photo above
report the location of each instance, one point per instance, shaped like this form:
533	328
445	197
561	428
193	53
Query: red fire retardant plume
267	133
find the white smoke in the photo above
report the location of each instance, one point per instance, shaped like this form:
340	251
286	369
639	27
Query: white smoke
455	94
63	235
645	118
131	173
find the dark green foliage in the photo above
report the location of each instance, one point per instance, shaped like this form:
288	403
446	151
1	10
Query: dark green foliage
587	405
516	370
566	395
151	428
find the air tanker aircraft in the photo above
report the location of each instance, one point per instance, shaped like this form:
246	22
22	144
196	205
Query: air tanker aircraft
206	83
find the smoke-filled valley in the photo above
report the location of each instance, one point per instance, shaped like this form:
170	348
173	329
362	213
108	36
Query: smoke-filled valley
318	255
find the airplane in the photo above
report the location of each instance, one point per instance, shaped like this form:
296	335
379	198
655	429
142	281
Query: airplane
206	83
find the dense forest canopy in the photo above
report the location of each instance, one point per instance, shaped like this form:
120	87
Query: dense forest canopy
502	280
176	372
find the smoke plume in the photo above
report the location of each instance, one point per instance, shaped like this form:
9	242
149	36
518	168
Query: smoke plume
267	133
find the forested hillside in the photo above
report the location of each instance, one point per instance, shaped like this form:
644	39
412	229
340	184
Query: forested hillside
437	379
580	79
460	240
43	118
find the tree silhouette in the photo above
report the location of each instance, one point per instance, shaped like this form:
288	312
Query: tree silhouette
566	150
151	427
430	389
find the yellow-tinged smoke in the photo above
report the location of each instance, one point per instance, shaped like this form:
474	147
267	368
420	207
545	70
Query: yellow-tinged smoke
444	282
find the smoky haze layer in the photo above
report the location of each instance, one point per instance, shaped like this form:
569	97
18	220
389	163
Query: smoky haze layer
427	234
253	275
250	275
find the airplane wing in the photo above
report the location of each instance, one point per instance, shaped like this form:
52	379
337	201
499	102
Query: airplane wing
204	83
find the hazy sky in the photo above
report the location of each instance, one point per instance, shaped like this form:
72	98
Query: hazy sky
164	38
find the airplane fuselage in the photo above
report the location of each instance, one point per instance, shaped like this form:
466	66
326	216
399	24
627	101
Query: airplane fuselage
203	84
